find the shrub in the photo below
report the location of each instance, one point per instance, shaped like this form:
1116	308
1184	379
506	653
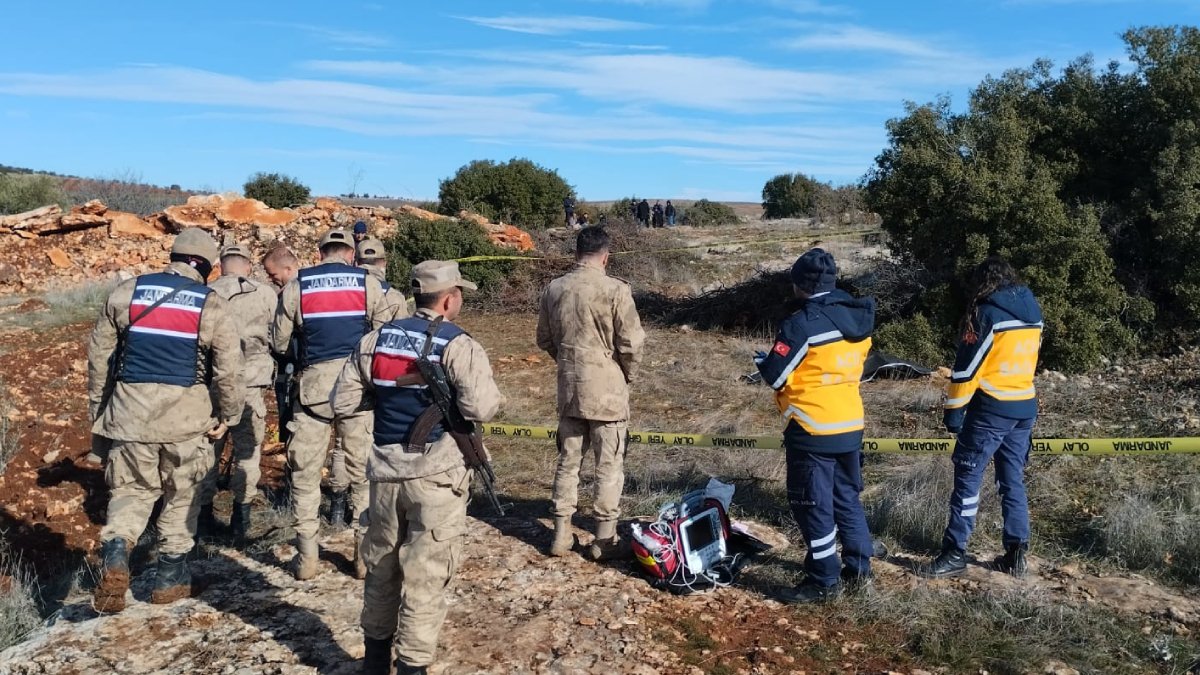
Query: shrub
518	192
792	195
276	190
417	240
913	339
23	192
704	213
19	614
124	192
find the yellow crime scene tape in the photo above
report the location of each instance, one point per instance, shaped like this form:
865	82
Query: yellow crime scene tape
896	446
742	242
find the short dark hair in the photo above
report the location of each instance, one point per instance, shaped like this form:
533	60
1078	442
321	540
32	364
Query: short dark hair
591	240
335	247
429	300
281	255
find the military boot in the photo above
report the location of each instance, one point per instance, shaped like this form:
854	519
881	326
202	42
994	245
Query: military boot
360	563
403	668
109	595
240	521
206	523
951	562
564	538
1014	561
809	593
307	558
173	580
608	545
337	509
378	657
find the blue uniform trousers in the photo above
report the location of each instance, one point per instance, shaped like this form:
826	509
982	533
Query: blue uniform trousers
823	490
983	438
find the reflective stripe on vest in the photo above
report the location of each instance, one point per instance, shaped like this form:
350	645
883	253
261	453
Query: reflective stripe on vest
163	346
397	407
333	305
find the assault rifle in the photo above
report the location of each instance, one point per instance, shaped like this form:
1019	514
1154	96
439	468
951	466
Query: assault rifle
285	376
464	432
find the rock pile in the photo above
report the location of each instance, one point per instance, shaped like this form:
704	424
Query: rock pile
46	247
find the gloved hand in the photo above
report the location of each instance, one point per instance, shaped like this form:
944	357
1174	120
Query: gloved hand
952	418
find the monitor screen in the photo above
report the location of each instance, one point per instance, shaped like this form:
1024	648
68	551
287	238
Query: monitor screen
702	531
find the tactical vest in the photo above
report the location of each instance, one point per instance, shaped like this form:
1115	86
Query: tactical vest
163	346
398	407
333	305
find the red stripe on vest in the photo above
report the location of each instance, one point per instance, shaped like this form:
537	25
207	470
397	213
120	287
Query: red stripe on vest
390	366
350	300
165	317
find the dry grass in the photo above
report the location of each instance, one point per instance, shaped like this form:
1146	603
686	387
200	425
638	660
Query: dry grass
9	434
19	614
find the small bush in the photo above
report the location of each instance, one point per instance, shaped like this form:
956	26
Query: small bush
518	192
417	240
19	193
1141	533
9	436
19	614
912	339
704	213
276	190
124	192
791	195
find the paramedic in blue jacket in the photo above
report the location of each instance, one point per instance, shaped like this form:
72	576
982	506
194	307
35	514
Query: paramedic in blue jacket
815	367
991	405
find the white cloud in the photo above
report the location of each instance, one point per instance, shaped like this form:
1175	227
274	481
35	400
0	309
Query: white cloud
861	39
555	25
807	7
363	68
335	36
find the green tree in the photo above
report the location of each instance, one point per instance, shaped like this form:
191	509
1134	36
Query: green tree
518	192
792	195
276	190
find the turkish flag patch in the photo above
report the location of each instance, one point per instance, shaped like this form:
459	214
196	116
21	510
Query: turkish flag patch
781	349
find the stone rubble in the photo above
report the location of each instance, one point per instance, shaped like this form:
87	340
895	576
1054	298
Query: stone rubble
48	248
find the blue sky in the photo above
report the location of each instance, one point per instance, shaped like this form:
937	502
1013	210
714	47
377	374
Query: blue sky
662	98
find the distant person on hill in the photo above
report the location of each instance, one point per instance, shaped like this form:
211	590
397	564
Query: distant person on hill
569	210
815	367
670	213
164	383
643	213
360	234
582	221
991	406
658	215
588	323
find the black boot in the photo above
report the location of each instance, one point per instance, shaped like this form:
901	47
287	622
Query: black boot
809	593
378	657
951	562
173	580
240	520
109	595
1013	561
206	522
337	509
403	668
878	549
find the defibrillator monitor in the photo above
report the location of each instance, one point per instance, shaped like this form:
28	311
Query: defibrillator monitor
702	536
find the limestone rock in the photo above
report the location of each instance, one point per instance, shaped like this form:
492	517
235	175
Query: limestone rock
59	258
123	224
411	210
252	212
45	217
94	207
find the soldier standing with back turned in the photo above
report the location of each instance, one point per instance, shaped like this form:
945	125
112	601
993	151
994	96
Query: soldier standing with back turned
589	324
161	342
329	306
419	486
252	306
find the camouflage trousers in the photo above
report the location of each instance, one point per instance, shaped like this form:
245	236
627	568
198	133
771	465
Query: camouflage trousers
307	449
579	439
247	436
412	550
139	473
